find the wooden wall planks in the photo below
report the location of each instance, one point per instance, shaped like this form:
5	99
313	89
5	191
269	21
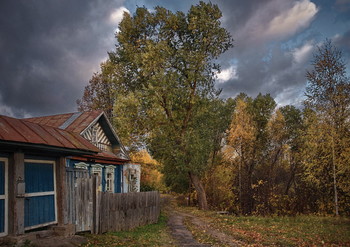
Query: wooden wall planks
100	212
126	211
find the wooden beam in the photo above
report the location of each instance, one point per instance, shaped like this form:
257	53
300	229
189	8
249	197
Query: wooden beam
16	203
97	160
61	190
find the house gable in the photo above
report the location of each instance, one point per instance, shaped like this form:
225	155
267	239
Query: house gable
96	135
101	134
94	126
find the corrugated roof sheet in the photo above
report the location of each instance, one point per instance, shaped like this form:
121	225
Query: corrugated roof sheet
53	121
79	123
76	122
22	131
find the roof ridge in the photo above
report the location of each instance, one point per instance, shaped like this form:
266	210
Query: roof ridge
70	120
75	112
53	115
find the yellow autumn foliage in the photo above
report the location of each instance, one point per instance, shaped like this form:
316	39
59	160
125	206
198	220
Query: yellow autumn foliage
151	177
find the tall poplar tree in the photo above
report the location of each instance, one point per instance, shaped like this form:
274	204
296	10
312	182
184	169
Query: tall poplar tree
327	93
242	137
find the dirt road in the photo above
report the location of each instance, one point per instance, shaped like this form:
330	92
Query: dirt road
183	235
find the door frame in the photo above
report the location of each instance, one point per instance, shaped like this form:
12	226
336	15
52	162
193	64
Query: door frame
5	197
34	194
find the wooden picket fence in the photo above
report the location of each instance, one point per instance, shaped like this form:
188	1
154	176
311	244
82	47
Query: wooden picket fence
100	212
119	212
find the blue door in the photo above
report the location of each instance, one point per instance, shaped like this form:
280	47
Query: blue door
40	200
3	197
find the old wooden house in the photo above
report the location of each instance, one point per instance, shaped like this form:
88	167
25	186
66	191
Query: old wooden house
39	157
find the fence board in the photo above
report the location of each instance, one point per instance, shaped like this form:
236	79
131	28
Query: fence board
121	212
99	212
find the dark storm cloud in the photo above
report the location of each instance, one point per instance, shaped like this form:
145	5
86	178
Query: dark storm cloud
264	64
49	50
281	74
343	43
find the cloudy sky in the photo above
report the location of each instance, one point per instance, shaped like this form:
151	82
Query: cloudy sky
50	49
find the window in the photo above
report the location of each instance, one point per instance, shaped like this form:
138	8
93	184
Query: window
81	165
132	180
110	179
97	170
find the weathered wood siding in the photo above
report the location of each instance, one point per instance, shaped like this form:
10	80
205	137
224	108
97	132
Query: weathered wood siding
79	195
119	212
100	212
98	137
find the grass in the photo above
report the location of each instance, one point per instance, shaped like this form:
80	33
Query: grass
303	230
150	235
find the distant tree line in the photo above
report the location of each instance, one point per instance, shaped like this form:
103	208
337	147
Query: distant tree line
288	160
243	154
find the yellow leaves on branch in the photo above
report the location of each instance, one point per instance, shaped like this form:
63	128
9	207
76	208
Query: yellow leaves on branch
242	129
151	176
143	157
277	127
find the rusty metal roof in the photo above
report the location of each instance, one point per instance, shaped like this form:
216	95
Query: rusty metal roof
75	122
78	122
23	131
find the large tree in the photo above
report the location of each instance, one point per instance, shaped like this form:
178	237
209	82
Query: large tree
248	135
165	85
327	93
169	60
242	137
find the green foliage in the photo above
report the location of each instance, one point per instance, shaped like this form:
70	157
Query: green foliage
163	73
170	100
158	89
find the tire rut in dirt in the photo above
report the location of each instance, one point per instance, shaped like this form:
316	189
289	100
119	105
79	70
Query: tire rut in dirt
181	234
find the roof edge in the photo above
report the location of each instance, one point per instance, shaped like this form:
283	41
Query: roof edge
48	147
93	122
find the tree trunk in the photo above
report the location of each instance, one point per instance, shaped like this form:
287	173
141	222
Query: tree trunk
334	180
201	195
247	193
293	168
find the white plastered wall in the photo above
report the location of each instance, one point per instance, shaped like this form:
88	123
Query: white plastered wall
131	178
